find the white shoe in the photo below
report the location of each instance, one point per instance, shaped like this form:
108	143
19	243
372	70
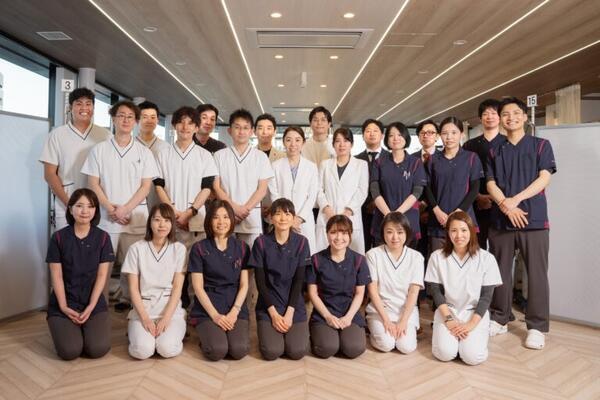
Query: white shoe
535	339
497	329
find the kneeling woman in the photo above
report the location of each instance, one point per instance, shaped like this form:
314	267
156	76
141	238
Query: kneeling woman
155	268
79	256
336	286
397	276
280	259
218	265
461	278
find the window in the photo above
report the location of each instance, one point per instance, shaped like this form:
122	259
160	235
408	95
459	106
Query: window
21	90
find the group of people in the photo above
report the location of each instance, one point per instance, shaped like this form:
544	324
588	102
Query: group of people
244	228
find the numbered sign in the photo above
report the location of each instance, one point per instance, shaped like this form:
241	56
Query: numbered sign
67	85
532	100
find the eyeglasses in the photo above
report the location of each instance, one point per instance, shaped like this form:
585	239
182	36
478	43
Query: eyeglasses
427	133
129	117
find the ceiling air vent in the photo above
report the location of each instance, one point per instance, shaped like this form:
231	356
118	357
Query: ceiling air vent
308	38
54	35
300	109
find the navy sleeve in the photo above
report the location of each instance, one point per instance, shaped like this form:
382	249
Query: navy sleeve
245	255
53	255
304	258
256	258
545	158
420	176
106	253
261	285
476	170
490	166
196	263
363	277
311	271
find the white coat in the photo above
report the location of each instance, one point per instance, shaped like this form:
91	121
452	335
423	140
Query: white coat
348	192
302	191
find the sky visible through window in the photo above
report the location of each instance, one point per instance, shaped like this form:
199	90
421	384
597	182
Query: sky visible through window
23	91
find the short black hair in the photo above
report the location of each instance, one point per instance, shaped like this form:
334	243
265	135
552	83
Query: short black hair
79	93
513	100
267	117
207	107
452	120
397	218
185	111
165	211
427	122
284	205
488	103
241	113
346	133
91	196
403	132
372	121
126	103
318	110
210	214
146	105
296	129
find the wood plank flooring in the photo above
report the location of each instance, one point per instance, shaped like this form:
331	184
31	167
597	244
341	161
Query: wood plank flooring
568	368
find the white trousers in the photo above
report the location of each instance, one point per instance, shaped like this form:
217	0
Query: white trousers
383	341
168	344
473	350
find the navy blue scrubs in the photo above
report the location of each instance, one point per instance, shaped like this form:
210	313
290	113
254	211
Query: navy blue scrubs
396	183
79	259
280	262
221	272
336	283
450	181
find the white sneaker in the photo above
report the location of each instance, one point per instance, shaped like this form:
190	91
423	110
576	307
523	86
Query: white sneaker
497	329
535	339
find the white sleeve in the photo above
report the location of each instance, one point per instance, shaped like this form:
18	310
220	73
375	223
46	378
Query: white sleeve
491	272
91	166
131	265
210	166
418	269
181	253
313	190
432	274
160	161
321	197
266	171
149	168
371	257
50	153
362	189
274	190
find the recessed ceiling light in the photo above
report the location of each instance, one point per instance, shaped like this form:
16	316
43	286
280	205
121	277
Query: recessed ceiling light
323	85
282	113
316	104
150	29
284	121
349	15
423	72
282	103
459	42
280	85
334	57
278	56
275	15
180	63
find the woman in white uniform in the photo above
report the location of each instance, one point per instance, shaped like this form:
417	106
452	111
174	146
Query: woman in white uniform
156	267
461	278
295	179
344	184
396	278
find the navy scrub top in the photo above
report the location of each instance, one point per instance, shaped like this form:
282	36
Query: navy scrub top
449	181
513	168
396	183
79	259
280	262
221	272
336	283
482	147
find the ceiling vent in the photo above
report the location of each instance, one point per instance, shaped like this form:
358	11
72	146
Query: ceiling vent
308	38
293	109
54	35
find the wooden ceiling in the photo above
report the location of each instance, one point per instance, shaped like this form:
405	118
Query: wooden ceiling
417	71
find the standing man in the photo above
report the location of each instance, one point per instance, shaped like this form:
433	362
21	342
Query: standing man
372	131
120	171
518	173
66	149
491	138
318	147
208	121
265	128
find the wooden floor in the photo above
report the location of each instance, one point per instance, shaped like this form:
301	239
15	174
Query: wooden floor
568	368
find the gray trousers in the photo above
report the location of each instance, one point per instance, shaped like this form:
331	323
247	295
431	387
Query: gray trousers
91	338
327	341
273	344
217	343
533	246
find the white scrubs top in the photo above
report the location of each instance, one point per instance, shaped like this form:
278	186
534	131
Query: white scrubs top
239	175
463	279
121	170
183	172
156	270
68	148
394	277
155	146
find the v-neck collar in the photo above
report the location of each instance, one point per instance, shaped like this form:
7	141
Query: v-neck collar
395	264
158	255
183	154
241	157
460	263
146	144
81	135
122	151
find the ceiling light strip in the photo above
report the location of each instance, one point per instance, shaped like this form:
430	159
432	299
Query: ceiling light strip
237	41
513	79
481	46
115	23
371	55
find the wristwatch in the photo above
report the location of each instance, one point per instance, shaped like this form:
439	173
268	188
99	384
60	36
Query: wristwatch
194	210
449	318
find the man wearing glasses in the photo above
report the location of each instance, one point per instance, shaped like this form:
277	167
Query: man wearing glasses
120	171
